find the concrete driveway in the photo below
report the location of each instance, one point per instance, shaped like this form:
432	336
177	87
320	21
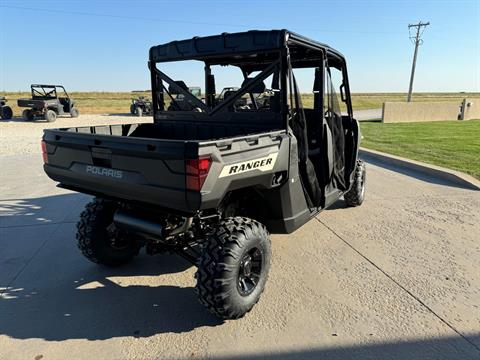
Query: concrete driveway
397	278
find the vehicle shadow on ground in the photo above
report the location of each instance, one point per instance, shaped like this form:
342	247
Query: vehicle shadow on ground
447	348
100	304
337	205
22	120
370	120
41	211
37	119
128	114
56	294
119	114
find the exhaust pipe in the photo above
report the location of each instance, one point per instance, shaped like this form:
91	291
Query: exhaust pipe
182	228
128	221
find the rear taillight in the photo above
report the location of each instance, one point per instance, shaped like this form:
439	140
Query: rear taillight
44	152
196	172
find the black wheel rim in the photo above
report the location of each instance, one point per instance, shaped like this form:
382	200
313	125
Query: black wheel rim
250	271
362	183
115	239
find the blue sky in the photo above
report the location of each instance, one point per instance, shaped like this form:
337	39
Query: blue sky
103	45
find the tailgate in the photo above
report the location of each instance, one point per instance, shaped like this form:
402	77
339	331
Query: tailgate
31	103
93	161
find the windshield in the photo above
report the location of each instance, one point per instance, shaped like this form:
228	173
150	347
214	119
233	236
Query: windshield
196	91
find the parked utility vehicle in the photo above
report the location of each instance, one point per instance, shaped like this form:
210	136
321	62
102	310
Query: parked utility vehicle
6	112
211	183
48	101
141	106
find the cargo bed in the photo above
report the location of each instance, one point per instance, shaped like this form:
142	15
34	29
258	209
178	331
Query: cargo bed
35	103
133	163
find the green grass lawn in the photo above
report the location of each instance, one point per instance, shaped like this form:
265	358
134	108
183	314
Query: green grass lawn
451	144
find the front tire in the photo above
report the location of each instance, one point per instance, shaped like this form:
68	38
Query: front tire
139	111
356	195
233	268
50	116
98	239
74	113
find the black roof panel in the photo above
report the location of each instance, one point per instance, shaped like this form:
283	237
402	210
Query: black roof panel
229	44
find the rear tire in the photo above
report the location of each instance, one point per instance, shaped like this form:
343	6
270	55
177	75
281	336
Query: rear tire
139	111
98	239
27	115
356	195
6	112
233	268
74	113
50	116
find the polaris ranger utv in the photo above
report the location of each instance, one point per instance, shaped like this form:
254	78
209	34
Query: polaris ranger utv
47	103
211	183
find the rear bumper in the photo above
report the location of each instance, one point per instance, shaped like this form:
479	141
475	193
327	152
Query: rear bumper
174	200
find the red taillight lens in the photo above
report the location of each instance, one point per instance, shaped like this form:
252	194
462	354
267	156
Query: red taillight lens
196	172
44	152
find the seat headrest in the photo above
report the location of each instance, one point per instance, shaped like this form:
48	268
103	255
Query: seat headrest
228	94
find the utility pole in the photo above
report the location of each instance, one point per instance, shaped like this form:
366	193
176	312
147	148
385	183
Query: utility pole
416	39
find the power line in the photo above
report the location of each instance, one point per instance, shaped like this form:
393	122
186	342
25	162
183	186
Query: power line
84	13
417	41
152	19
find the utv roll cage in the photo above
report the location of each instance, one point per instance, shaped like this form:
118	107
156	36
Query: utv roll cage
268	52
46	91
327	140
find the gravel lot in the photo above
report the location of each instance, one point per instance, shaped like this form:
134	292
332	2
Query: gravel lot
397	278
23	137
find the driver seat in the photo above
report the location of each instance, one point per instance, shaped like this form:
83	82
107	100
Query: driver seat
65	103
